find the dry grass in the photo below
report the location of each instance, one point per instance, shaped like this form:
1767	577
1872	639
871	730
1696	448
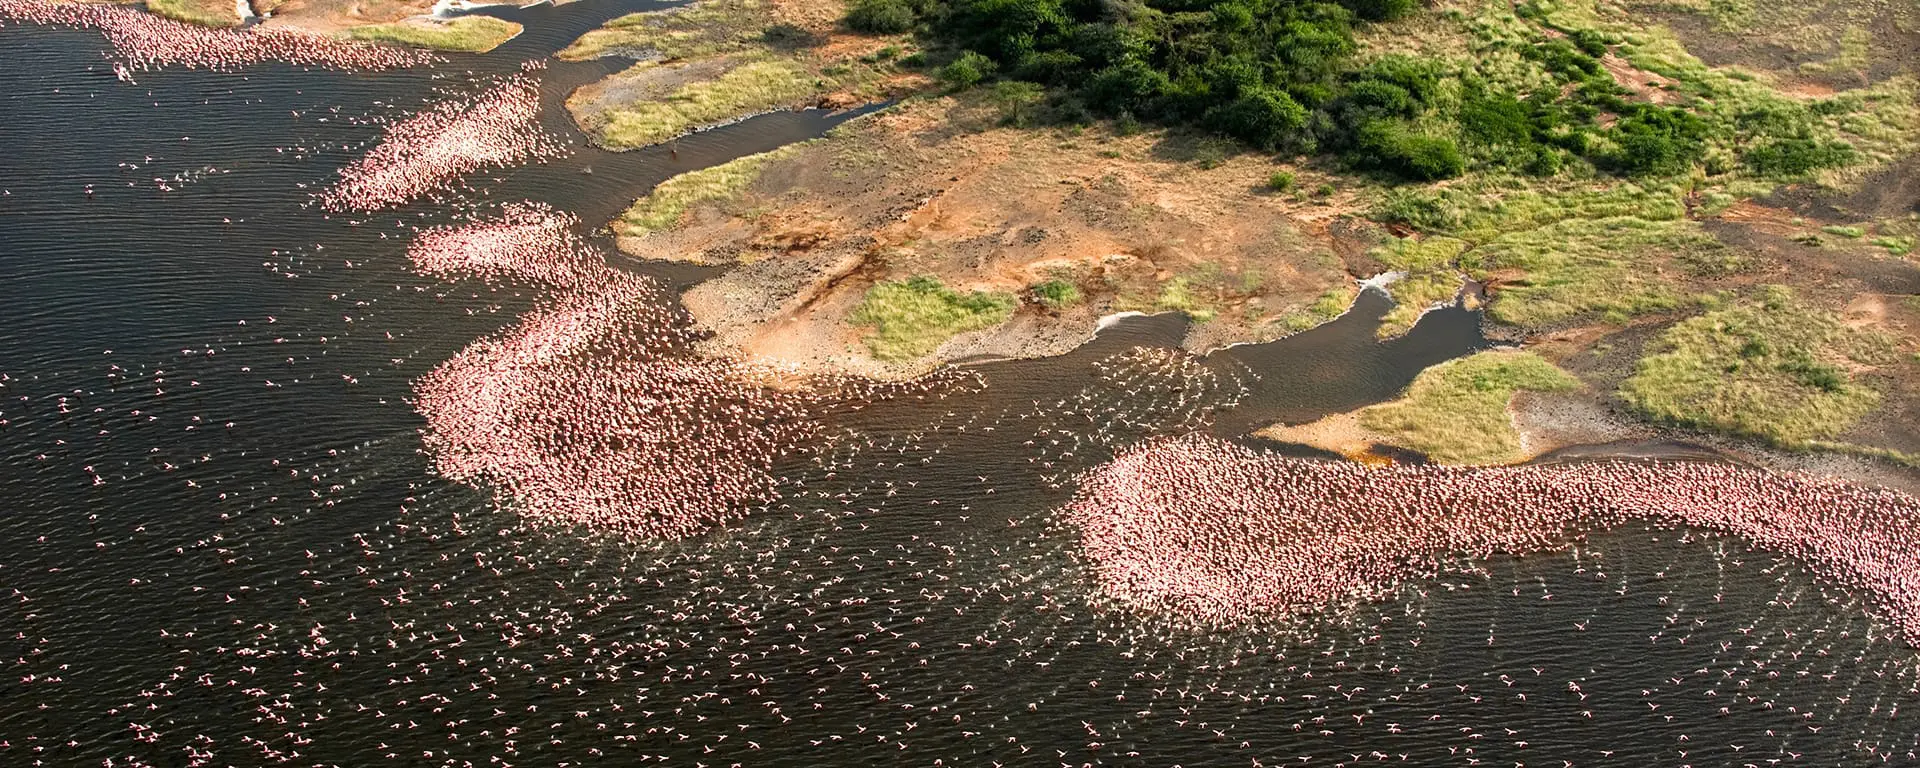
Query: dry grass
694	31
209	13
472	34
666	203
750	88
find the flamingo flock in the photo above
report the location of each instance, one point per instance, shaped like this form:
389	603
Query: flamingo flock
528	241
1210	533
147	41
591	411
496	128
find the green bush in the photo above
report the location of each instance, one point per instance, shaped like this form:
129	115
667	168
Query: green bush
1496	118
1590	42
1419	209
1280	181
1057	293
1016	101
1564	58
1264	118
967	71
881	17
1380	10
1797	157
1396	148
1657	141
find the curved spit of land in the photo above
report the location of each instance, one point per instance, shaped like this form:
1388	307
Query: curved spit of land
1210	533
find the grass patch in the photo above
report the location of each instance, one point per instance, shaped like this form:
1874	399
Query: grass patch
912	318
1057	293
1558	254
206	13
1413	295
1179	295
1323	309
1581	269
1773	369
663	207
752	87
695	31
473	34
1895	245
1456	412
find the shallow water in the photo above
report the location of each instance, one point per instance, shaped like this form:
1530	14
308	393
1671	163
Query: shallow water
219	540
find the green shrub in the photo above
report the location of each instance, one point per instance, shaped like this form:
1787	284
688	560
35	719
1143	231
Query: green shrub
1381	10
1657	141
1496	118
1564	58
1419	209
1791	158
1263	118
1280	181
881	17
1016	101
1057	293
1590	42
1898	246
967	71
1396	148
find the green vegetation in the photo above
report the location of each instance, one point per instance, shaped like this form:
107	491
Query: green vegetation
1280	181
1057	293
663	207
1559	255
1896	245
1456	412
1432	277
1325	308
753	86
1413	295
474	34
881	17
1775	370
967	71
912	318
694	31
1178	295
1521	89
206	13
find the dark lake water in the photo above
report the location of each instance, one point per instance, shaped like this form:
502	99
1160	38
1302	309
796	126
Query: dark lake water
220	543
